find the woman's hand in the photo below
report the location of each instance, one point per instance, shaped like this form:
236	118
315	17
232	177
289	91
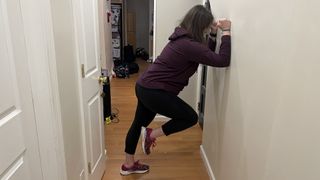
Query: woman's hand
214	27
225	26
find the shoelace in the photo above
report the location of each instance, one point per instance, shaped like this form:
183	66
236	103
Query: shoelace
153	143
138	165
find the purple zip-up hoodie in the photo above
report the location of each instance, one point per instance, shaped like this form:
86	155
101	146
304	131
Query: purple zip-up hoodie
180	59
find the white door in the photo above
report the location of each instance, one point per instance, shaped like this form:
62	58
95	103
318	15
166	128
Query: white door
87	30
19	151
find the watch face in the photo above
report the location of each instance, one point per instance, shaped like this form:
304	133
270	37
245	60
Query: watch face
207	31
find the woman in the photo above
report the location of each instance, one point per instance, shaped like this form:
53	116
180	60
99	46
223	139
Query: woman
158	87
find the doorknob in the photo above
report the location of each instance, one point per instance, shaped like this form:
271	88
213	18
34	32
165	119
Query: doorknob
103	80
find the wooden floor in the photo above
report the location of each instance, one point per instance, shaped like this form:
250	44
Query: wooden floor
174	157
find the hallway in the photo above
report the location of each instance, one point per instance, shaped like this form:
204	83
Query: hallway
174	157
261	114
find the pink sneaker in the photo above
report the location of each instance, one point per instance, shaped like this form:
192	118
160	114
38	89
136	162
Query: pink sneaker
147	141
137	168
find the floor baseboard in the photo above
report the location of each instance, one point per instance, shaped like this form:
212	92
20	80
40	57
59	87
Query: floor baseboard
207	164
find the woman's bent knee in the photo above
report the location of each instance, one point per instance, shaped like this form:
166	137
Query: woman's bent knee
193	119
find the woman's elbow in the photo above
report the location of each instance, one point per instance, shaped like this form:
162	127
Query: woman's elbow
225	62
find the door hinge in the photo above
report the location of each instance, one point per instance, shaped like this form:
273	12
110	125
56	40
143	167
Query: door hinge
82	71
89	168
198	106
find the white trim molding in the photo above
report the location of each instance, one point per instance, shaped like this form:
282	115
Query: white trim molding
39	41
206	162
55	104
154	55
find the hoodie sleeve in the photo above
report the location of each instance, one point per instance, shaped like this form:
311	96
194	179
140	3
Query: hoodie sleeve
212	44
205	55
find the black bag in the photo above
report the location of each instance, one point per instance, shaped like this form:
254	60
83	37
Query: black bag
123	70
133	68
142	53
128	54
120	71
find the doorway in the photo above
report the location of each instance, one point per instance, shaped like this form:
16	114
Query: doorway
139	25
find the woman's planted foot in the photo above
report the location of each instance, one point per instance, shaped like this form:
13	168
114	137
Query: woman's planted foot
136	168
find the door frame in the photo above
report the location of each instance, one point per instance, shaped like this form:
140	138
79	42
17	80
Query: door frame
39	41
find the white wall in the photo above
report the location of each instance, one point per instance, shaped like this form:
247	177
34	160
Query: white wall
67	80
261	118
168	15
105	36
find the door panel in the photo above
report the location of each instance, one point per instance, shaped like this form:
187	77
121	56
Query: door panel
96	138
17	171
86	13
19	155
91	36
6	88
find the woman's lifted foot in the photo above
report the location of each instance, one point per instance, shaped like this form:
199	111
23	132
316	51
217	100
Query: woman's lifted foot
147	140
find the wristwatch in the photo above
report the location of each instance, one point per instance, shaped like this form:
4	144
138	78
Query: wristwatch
213	34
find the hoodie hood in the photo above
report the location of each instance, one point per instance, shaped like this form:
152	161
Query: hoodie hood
179	32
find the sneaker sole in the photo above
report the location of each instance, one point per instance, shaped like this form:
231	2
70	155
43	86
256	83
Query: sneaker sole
126	173
143	137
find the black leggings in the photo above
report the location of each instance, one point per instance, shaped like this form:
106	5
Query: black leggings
153	101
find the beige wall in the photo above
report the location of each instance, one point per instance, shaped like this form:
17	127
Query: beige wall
168	14
262	119
151	20
141	10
